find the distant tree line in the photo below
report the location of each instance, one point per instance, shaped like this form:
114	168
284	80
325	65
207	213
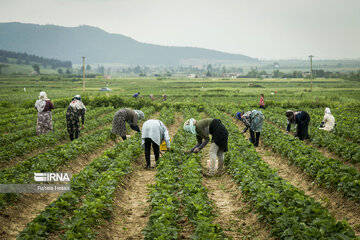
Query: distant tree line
320	73
24	58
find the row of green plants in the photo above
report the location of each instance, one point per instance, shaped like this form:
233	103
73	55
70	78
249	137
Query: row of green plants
290	213
59	123
347	150
84	219
92	191
347	122
178	195
27	145
50	161
18	122
89	198
328	172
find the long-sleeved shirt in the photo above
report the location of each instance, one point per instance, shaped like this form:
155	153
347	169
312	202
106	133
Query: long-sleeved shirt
301	119
131	117
202	128
157	131
329	122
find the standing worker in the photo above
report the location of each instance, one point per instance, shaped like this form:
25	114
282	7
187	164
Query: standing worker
219	141
153	133
328	122
44	119
75	110
254	120
262	102
302	119
164	97
126	115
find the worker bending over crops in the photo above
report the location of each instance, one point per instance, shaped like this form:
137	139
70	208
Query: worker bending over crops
75	110
302	119
153	133
328	122
126	115
44	119
219	141
254	120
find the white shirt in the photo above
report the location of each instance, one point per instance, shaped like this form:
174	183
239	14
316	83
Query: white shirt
156	130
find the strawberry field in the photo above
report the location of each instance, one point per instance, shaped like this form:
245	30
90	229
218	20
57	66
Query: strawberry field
283	189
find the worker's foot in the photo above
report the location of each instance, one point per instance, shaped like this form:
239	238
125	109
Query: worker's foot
219	173
147	167
209	174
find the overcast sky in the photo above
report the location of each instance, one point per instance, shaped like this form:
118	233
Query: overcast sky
265	29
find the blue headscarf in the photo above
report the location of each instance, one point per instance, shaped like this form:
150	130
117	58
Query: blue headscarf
238	115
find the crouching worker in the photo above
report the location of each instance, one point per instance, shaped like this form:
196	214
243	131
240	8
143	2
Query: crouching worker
126	115
254	120
153	133
219	142
328	122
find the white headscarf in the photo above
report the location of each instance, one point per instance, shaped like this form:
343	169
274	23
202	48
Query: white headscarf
189	126
40	104
140	114
327	110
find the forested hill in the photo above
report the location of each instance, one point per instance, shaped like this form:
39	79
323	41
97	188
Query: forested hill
24	58
98	46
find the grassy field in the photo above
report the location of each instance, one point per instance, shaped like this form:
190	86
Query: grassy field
12	88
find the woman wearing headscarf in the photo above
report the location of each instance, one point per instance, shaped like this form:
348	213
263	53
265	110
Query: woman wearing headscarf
328	122
254	120
75	110
302	119
153	133
126	115
44	119
219	141
262	101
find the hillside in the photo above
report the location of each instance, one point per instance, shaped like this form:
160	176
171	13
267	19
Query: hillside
71	43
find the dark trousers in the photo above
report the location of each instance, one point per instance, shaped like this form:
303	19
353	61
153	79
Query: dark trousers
72	135
156	148
254	137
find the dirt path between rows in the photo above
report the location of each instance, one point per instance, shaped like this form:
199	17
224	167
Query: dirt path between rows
235	216
14	218
131	206
339	206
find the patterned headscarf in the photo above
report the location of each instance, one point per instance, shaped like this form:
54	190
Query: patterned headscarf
327	110
189	126
140	114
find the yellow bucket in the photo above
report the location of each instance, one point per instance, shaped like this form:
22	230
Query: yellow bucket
163	146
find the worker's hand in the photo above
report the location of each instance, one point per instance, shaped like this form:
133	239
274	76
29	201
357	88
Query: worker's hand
82	126
188	151
196	150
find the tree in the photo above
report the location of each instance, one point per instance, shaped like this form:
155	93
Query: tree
68	71
36	68
101	70
60	71
88	67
